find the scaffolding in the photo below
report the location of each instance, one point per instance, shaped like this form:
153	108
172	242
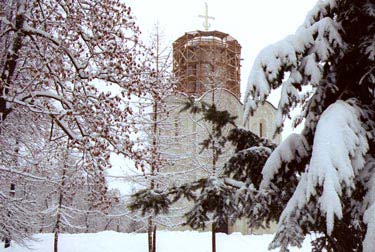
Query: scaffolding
204	60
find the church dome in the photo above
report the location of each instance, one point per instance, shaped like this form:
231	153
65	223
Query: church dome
205	60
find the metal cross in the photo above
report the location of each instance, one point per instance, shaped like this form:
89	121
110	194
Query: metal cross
206	25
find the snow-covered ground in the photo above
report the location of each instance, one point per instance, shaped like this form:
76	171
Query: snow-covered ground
188	241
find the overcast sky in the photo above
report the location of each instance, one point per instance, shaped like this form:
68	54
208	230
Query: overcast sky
255	24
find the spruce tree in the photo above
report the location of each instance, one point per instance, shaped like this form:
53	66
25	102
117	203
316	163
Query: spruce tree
220	198
323	178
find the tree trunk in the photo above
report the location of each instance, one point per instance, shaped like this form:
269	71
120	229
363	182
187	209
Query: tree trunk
56	241
107	225
149	234
154	240
41	230
8	73
58	216
12	193
90	207
6	242
213	231
11	59
87	220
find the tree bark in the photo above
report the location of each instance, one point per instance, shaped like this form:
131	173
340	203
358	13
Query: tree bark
58	216
109	223
6	242
12	193
56	241
154	240
213	240
87	220
149	234
10	63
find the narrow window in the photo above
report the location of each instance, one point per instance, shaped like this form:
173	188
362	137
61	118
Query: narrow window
176	133
261	129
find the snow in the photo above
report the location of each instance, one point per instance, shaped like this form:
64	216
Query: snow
319	10
187	241
368	243
297	201
285	152
338	155
326	29
312	69
318	40
369	216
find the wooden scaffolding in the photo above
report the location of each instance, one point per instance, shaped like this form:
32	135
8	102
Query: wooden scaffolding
203	60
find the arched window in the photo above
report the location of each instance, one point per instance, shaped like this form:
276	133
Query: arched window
262	128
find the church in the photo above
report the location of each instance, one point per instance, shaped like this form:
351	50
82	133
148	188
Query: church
207	67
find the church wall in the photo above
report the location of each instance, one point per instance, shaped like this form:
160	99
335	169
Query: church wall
186	131
264	116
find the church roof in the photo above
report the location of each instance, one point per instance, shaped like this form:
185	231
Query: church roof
200	98
194	34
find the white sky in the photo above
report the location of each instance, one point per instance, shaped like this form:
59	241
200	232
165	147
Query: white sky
255	24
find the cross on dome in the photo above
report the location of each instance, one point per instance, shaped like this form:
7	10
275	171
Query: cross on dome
206	24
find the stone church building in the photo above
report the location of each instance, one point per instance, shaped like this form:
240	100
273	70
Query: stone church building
207	66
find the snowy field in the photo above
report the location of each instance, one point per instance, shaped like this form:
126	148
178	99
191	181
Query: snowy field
187	241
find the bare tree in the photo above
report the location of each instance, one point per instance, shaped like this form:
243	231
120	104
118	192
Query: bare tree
57	59
71	67
154	121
